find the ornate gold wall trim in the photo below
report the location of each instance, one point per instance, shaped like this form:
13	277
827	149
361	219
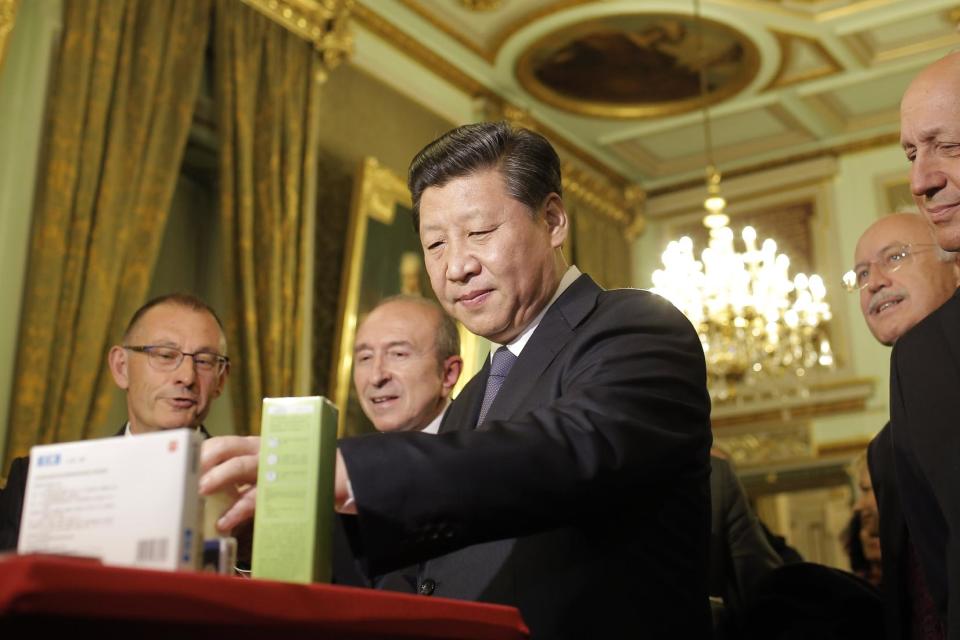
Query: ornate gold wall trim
8	15
598	194
325	23
829	397
843	448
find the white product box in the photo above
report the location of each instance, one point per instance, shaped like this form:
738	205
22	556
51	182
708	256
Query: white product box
129	501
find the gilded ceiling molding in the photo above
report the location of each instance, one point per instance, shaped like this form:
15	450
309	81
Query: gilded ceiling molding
782	78
446	28
8	14
851	9
490	105
416	50
481	5
836	150
489	53
325	23
529	19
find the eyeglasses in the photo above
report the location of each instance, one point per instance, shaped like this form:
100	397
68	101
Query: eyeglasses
888	261
169	358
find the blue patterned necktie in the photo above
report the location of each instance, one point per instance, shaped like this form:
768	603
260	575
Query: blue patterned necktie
502	363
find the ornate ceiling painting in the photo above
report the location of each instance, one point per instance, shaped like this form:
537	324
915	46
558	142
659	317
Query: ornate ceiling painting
637	65
616	80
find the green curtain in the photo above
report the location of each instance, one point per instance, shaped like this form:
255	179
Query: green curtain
119	113
600	246
266	83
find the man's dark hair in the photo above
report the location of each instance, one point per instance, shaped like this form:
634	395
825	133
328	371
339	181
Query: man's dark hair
528	163
448	338
186	300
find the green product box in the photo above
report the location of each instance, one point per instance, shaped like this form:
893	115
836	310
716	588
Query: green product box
293	524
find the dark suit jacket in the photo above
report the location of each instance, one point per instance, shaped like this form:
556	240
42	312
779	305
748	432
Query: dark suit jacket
583	500
11	503
740	555
11	498
893	536
925	424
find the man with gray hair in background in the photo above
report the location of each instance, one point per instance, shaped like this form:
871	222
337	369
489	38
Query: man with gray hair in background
406	362
902	275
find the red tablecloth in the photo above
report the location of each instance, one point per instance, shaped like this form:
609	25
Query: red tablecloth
75	594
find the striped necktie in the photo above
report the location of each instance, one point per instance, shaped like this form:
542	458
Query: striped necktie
502	363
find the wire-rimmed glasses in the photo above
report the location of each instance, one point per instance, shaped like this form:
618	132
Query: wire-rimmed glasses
164	358
888	261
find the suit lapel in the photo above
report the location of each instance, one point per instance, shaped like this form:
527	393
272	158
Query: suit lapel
949	321
548	339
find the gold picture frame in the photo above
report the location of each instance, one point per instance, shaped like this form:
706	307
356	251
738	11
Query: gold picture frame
383	258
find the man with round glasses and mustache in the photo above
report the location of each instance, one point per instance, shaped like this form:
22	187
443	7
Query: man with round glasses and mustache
902	276
172	365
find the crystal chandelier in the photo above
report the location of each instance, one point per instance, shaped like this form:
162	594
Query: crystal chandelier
755	322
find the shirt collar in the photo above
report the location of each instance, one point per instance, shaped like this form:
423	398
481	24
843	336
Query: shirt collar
434	426
517	344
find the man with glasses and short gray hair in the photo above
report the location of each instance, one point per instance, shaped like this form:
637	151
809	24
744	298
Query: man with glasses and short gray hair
902	276
172	364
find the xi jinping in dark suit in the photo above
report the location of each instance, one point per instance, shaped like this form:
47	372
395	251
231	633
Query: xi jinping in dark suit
582	496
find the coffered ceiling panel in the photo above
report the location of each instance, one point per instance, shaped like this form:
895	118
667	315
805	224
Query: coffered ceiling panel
735	136
900	37
618	82
878	95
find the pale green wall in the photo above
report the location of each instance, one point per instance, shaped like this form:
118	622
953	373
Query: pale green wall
858	202
23	83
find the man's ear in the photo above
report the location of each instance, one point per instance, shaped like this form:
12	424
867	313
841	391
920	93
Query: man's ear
452	367
555	215
117	361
